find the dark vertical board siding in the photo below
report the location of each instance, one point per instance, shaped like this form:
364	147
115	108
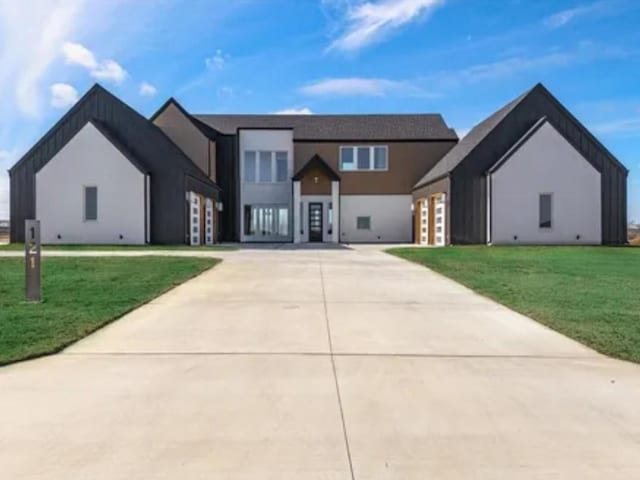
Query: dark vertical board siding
226	172
167	165
468	178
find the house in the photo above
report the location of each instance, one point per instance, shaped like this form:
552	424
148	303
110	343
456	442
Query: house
530	173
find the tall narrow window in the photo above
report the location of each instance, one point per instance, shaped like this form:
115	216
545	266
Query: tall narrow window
249	166
379	158
282	166
364	158
265	167
90	203
545	210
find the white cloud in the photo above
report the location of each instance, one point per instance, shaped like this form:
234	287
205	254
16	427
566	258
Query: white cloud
76	54
371	87
109	70
370	21
217	61
63	95
225	92
563	17
106	70
30	37
295	111
147	90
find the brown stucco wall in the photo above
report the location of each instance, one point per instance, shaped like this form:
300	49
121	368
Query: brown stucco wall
408	162
308	185
440	186
186	136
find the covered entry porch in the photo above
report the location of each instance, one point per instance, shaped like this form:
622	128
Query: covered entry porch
316	203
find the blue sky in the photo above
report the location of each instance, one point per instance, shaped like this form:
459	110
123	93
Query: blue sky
461	58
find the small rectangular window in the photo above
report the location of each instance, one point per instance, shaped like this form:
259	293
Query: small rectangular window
90	203
545	210
363	223
379	158
282	166
346	159
265	167
250	166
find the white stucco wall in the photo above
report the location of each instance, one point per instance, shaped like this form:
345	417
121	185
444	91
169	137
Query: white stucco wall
266	193
89	159
391	218
546	163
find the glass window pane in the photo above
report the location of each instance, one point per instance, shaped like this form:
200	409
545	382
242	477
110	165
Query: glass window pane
545	210
282	165
380	158
249	220
330	218
91	203
249	166
265	166
283	221
346	158
364	160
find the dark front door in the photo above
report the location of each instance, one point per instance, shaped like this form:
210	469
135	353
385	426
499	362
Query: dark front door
315	222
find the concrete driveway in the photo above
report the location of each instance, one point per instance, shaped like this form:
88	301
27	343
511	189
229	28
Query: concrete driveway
321	364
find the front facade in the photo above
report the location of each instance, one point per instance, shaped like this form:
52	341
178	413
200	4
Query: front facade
528	174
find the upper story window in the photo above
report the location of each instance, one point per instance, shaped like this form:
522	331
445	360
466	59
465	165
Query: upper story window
364	158
265	166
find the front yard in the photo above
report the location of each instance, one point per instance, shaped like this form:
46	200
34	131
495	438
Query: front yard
80	295
591	294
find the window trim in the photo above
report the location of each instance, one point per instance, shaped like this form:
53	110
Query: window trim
371	158
84	203
550	227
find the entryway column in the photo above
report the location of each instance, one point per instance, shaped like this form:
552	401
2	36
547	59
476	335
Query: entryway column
297	221
335	202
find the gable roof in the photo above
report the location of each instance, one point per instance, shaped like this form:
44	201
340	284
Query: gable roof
317	162
204	129
470	141
137	129
112	138
339	127
524	111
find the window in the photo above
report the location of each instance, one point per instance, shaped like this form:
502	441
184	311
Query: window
380	158
249	166
330	218
364	158
266	221
545	210
90	203
282	166
363	223
264	171
346	159
266	166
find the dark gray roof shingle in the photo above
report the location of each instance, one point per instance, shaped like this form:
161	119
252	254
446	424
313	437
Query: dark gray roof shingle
468	143
340	127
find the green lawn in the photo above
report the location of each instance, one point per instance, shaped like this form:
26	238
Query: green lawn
80	295
108	248
591	294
